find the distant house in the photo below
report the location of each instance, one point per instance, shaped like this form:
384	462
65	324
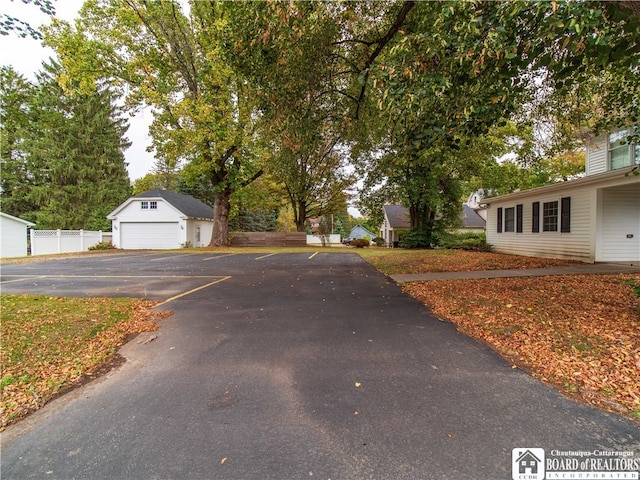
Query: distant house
476	203
360	232
13	236
595	218
471	220
160	219
396	222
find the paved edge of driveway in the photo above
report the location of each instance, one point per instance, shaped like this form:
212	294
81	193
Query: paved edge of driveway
586	269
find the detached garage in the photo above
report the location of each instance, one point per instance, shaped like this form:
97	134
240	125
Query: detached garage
13	236
159	220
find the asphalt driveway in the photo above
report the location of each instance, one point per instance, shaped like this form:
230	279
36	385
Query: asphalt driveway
290	366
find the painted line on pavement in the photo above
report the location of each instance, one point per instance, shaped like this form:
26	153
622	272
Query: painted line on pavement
180	255
23	278
265	256
313	255
219	256
189	292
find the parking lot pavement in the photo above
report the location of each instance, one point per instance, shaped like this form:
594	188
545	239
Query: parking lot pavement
148	275
299	366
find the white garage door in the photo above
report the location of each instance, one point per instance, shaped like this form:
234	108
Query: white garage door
156	236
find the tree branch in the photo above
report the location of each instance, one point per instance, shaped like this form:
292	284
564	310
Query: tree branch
381	43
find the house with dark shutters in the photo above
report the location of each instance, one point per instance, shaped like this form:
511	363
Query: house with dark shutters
595	218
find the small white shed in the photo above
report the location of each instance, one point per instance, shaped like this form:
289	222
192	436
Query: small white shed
160	219
13	236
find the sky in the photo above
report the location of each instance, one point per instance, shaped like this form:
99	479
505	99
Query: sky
26	55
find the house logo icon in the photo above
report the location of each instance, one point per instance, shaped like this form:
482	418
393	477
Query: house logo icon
527	464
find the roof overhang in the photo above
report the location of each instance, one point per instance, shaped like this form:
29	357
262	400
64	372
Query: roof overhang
16	219
601	178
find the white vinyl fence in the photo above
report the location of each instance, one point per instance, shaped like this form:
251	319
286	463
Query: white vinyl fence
333	239
64	241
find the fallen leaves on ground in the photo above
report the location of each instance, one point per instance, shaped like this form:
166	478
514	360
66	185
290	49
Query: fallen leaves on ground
580	333
50	344
396	261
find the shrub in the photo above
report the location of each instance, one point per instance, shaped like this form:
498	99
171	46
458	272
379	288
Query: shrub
359	243
379	241
474	241
102	246
415	239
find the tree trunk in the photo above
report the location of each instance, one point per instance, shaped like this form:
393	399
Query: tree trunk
422	219
221	206
301	215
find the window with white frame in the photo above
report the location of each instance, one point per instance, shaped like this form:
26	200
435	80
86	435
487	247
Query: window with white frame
622	153
148	205
509	219
144	205
550	217
153	205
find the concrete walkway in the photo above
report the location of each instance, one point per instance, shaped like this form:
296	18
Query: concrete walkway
581	269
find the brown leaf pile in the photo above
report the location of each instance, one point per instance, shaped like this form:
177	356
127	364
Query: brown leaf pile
46	371
392	261
580	333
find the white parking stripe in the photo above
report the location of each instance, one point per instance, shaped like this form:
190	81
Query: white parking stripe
265	256
184	294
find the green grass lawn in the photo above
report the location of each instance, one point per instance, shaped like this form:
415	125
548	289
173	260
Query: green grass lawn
48	343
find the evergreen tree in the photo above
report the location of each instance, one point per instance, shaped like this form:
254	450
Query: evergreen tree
71	157
15	93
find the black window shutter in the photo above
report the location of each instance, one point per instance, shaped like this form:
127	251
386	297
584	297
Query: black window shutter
500	220
535	223
565	215
519	210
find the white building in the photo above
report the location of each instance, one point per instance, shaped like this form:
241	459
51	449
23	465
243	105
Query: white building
595	218
159	219
13	236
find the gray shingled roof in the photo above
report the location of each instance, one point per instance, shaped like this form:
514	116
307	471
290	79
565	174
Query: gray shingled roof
187	205
471	219
398	216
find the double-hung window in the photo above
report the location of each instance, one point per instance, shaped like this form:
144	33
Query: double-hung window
621	152
509	219
550	216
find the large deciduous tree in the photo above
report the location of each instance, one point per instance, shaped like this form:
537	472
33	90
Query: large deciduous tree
174	62
454	70
287	53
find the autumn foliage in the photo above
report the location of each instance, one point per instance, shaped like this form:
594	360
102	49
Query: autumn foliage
579	333
50	344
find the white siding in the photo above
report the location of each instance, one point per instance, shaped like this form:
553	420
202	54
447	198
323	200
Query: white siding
133	212
576	245
596	161
13	238
206	230
619	230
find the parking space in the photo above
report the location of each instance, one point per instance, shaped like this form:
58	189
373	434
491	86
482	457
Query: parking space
156	276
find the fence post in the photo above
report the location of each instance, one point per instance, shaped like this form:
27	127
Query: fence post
59	238
32	235
81	240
